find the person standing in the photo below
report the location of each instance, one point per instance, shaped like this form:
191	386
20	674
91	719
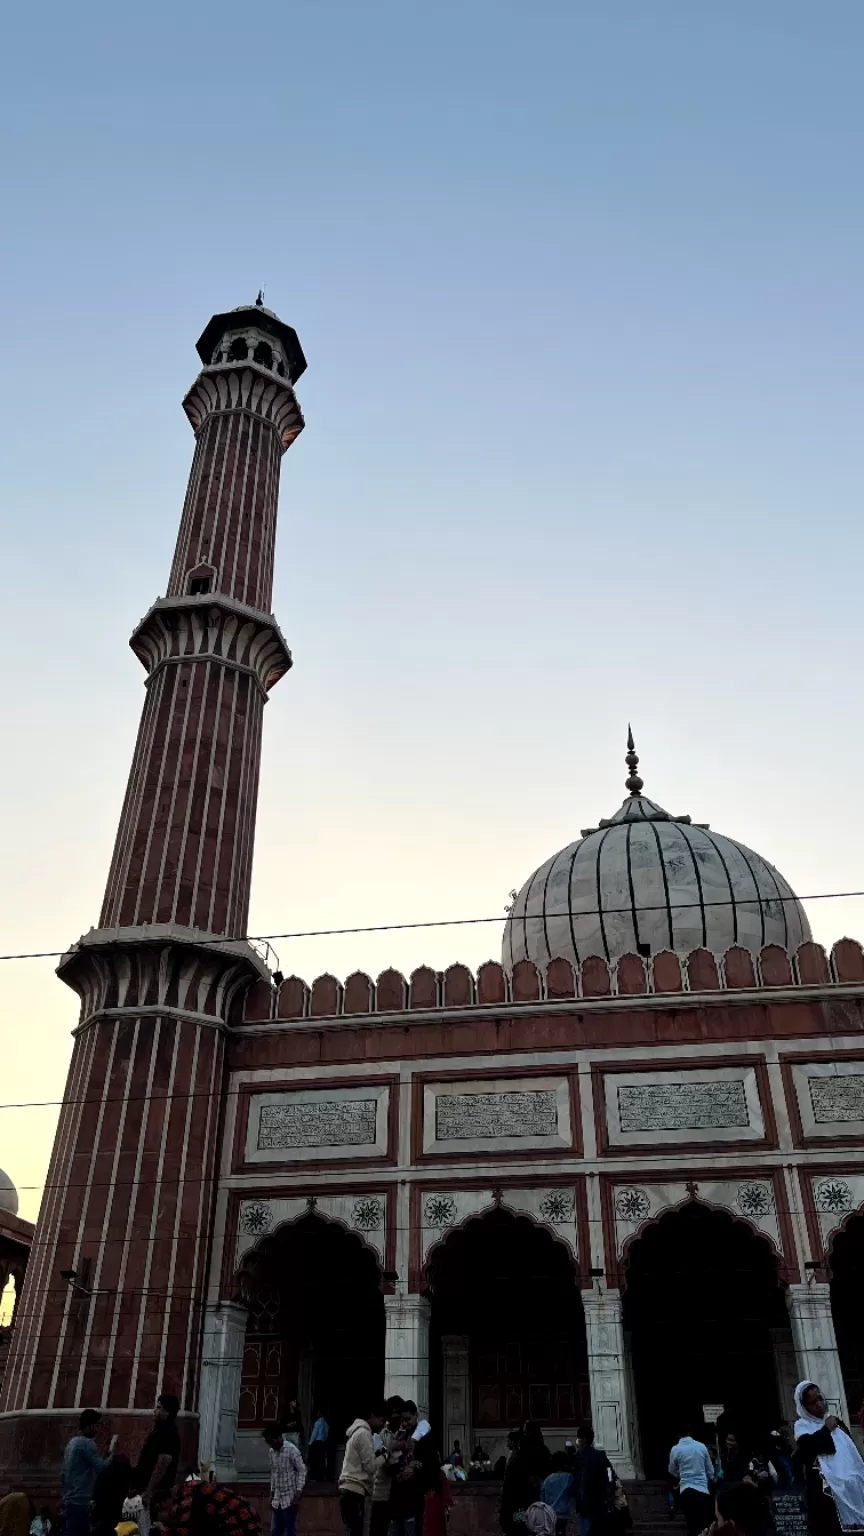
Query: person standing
385	1464
318	1448
828	1457
293	1424
157	1464
691	1464
357	1478
287	1481
82	1463
558	1490
16	1512
595	1483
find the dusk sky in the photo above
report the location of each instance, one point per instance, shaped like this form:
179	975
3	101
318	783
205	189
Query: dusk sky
580	289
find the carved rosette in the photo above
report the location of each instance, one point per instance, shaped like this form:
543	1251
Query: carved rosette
226	387
212	628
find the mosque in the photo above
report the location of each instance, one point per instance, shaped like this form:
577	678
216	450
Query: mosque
617	1174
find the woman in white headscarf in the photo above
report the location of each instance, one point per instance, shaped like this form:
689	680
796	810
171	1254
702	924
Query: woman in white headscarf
833	1468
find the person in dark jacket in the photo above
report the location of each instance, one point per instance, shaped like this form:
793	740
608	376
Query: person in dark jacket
595	1484
832	1469
112	1487
734	1459
527	1467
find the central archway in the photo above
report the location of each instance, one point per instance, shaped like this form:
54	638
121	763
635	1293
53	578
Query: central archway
507	1332
315	1330
701	1299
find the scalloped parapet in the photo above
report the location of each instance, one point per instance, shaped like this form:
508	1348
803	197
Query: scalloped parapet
594	981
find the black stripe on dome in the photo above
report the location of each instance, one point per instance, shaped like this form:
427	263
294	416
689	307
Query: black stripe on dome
603	837
552	863
528	891
743	852
772	873
680	828
576	851
665	881
630	883
719	851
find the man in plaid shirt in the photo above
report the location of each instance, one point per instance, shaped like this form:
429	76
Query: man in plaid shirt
287	1479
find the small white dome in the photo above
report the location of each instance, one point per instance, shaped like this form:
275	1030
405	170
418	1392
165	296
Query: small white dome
8	1194
645	881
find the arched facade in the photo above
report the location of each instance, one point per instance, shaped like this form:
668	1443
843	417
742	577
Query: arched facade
589	1107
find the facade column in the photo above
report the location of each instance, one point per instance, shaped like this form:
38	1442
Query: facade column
816	1342
785	1370
219	1394
457	1392
406	1349
612	1411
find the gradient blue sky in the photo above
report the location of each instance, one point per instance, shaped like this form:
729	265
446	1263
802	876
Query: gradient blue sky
580	289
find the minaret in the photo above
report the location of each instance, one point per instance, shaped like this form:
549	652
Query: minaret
112	1304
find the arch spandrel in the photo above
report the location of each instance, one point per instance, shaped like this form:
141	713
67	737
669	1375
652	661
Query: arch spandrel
752	1200
551	1207
835	1198
362	1215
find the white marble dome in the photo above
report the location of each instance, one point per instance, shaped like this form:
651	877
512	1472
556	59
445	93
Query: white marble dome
645	881
8	1194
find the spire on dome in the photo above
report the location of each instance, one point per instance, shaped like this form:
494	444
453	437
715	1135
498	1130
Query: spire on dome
633	782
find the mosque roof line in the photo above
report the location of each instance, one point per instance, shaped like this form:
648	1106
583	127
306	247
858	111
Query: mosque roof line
633	979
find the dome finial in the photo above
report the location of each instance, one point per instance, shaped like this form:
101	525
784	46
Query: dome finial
633	781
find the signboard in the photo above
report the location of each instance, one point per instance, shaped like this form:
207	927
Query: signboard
711	1412
789	1510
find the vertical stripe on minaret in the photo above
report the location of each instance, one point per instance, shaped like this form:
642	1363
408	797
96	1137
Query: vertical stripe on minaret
129	1199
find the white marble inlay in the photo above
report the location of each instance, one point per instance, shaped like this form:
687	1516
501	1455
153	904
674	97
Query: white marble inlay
830	1097
494	1115
317	1124
460	1116
836	1099
681	1106
667	1106
330	1123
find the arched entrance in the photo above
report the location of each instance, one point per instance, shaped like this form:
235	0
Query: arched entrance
315	1330
702	1297
847	1289
507	1339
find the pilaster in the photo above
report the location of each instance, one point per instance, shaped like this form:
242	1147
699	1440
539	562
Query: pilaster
406	1348
612	1410
816	1342
455	1348
224	1337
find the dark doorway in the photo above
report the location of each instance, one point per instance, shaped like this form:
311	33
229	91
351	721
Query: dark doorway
701	1295
847	1290
514	1291
316	1326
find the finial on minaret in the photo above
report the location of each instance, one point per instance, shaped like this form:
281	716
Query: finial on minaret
633	781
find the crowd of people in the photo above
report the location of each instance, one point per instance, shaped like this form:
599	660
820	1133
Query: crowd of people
394	1482
734	1491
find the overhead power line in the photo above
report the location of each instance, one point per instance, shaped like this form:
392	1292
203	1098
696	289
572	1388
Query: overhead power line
760	899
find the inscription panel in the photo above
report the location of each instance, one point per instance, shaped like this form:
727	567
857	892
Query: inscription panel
329	1123
683	1106
837	1099
318	1124
466	1116
496	1115
830	1096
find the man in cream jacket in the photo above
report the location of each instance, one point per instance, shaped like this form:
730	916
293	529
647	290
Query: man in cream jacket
358	1471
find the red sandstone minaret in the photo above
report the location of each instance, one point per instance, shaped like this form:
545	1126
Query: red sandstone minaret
128	1199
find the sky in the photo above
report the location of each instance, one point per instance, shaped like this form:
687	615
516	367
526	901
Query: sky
579	285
